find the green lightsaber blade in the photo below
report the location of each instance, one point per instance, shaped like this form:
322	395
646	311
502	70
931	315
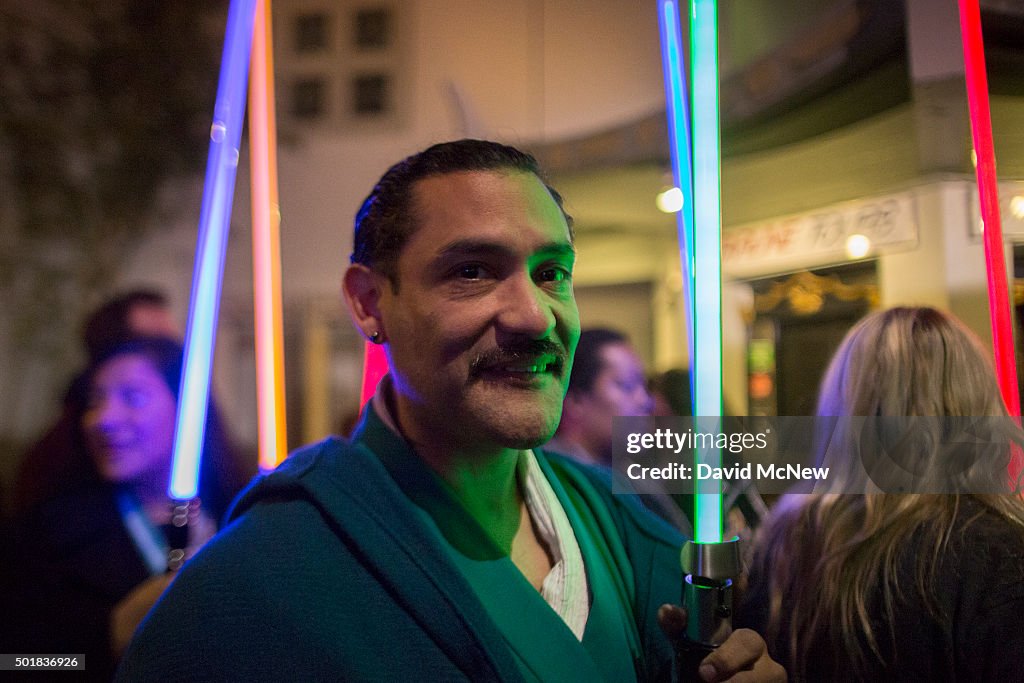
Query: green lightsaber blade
707	261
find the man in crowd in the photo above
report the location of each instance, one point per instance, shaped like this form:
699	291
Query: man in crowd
607	381
441	543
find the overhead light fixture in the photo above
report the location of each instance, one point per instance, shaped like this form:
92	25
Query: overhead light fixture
670	201
857	246
1017	207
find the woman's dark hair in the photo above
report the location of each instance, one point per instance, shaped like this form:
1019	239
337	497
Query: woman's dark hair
110	323
221	473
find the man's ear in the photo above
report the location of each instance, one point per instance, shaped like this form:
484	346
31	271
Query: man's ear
362	289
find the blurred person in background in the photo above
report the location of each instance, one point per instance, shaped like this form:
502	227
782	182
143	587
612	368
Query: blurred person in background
898	586
607	381
132	313
87	564
671	393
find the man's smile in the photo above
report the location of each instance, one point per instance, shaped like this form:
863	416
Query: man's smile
522	365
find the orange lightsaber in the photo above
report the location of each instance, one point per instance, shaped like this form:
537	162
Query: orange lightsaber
266	245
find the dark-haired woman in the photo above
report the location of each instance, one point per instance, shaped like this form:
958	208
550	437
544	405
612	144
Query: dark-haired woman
87	564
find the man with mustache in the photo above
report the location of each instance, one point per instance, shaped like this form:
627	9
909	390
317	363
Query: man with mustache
441	543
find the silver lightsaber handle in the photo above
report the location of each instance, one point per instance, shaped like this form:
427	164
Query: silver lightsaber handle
709	571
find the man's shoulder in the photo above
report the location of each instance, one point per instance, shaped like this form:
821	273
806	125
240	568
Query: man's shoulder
304	474
299	502
279	550
325	489
311	459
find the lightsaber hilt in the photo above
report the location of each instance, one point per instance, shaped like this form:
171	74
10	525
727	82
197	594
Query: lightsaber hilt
183	516
709	571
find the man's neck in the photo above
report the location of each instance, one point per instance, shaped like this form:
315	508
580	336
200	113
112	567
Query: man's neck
489	489
487	486
486	482
483	477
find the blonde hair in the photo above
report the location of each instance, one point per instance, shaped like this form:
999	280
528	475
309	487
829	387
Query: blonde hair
832	560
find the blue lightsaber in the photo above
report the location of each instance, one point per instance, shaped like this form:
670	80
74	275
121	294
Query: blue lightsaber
674	71
214	221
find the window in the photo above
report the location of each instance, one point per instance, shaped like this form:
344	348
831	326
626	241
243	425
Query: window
373	29
308	98
370	94
343	65
311	32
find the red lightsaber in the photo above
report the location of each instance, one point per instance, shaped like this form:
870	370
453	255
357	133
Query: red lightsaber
988	192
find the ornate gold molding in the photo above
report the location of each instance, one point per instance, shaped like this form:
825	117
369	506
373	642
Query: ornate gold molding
806	293
1018	292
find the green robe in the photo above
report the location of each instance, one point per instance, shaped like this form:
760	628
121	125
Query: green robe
353	561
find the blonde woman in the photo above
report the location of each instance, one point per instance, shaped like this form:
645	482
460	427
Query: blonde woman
898	586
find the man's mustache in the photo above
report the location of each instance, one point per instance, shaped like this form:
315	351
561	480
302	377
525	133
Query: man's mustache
530	350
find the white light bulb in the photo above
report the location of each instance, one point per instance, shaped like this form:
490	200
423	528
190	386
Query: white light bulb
670	201
857	246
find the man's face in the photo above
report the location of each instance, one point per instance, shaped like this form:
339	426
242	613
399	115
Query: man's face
620	388
484	324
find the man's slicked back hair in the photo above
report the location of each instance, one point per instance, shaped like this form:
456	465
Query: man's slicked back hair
385	221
